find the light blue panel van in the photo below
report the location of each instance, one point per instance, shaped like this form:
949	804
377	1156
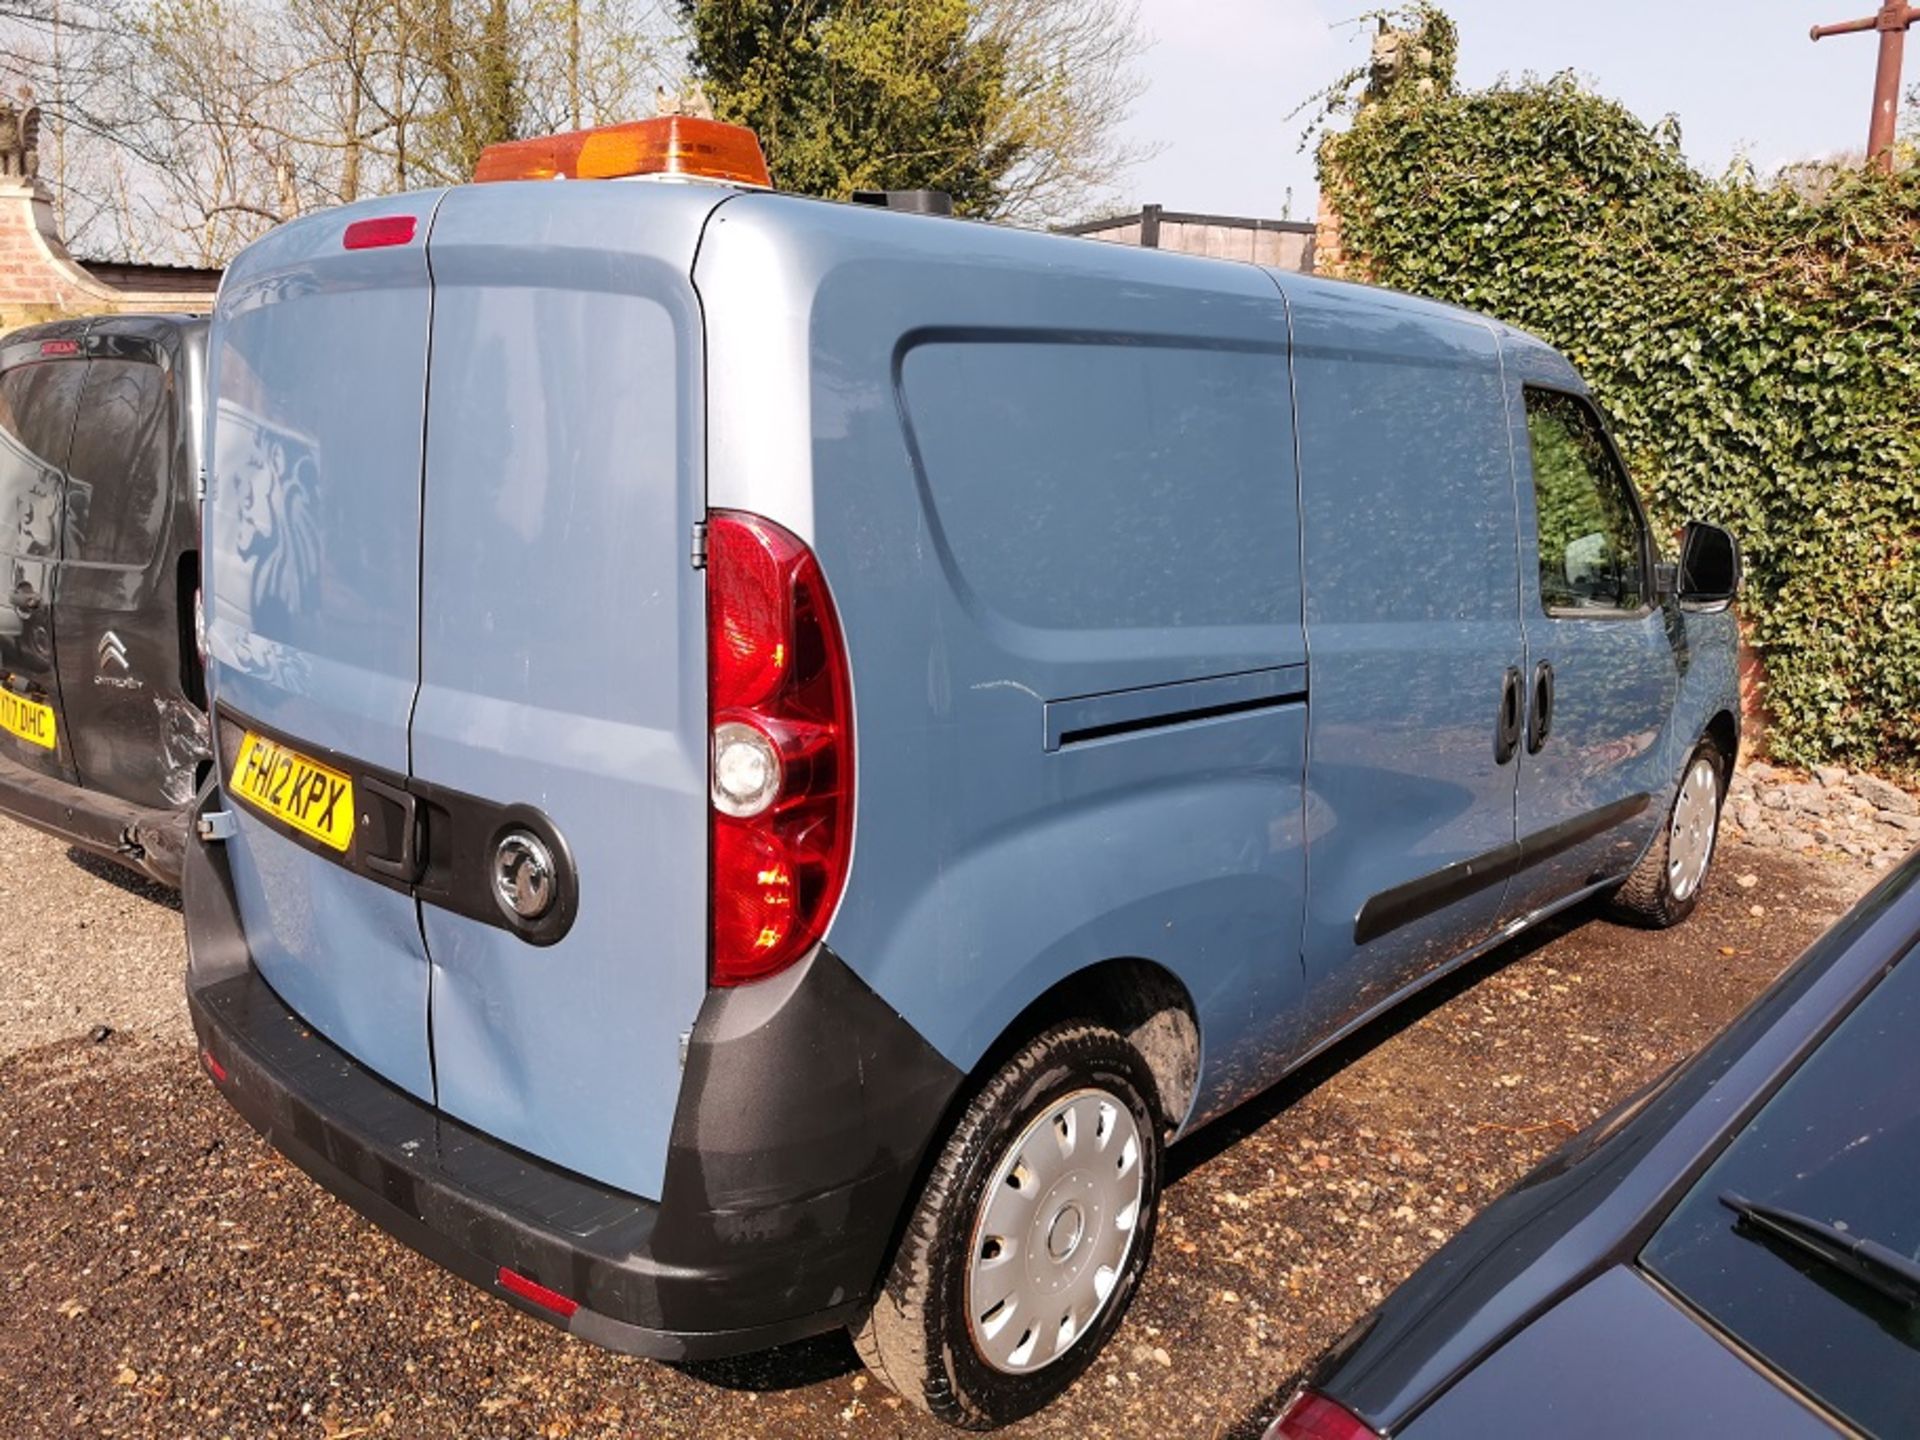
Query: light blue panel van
774	755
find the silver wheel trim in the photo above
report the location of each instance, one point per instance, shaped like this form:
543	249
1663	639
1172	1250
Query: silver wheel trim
1696	812
1054	1231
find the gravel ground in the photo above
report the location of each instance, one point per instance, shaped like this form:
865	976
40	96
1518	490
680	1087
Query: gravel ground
167	1275
87	943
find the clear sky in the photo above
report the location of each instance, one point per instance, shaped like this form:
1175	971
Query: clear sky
1743	78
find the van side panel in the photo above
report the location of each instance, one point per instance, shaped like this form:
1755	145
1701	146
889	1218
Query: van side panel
563	653
312	576
1051	486
1413	620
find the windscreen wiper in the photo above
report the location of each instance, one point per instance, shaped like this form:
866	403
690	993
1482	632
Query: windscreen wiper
1868	1261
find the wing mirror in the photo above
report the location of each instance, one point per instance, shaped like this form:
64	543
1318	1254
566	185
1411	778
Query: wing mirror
1709	565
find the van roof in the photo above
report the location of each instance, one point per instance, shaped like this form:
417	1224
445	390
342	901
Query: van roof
162	329
1293	283
801	213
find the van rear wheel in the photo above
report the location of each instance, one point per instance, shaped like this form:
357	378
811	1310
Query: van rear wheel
1665	886
1030	1236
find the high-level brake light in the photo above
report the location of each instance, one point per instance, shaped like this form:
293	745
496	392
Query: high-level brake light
682	145
781	729
379	231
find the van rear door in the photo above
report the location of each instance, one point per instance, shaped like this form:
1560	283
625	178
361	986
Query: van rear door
563	654
118	628
39	397
312	577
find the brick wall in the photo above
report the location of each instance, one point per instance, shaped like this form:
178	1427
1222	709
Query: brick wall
39	280
1328	256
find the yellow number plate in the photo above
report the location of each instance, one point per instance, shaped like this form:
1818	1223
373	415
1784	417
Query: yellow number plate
314	799
29	719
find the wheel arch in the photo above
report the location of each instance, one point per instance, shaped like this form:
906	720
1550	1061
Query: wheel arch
1139	998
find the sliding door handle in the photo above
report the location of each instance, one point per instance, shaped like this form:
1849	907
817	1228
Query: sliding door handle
1540	713
1506	735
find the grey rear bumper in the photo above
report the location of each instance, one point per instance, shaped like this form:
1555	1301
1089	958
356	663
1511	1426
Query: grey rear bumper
806	1107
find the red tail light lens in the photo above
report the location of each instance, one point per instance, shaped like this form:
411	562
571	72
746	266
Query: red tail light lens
781	735
539	1294
1311	1416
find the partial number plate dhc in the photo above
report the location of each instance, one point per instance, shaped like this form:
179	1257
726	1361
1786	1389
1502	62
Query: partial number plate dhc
28	719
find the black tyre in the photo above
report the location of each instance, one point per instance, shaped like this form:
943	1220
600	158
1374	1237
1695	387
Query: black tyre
1030	1236
1665	886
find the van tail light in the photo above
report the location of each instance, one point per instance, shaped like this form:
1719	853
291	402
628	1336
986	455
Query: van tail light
682	145
1312	1416
780	709
532	1290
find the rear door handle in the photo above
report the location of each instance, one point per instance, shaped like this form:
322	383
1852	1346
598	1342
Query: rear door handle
389	826
1540	713
1506	736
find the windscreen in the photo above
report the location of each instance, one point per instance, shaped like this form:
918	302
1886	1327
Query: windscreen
1839	1143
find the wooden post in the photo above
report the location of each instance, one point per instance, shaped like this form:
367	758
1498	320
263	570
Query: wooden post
1892	22
1150	227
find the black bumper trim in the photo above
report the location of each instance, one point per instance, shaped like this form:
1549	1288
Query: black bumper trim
146	840
803	1116
429	842
418	1176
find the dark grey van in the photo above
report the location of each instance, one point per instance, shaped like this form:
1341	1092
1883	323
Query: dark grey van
103	732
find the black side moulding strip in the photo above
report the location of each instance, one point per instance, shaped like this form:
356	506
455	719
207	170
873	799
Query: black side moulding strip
1083	718
1177	717
1416	899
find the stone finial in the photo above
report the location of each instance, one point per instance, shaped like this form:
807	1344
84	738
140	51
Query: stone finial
20	138
689	99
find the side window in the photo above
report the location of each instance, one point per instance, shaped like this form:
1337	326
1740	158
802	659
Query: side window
117	489
1592	546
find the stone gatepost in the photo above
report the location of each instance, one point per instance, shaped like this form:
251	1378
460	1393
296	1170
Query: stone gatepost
38	278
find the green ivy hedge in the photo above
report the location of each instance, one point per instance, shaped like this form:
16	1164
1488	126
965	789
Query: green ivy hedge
1758	348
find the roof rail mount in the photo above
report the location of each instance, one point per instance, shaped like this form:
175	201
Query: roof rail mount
913	202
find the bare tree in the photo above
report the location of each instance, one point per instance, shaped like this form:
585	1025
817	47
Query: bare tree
180	129
1071	81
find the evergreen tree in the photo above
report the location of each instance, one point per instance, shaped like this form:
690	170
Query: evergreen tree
852	95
